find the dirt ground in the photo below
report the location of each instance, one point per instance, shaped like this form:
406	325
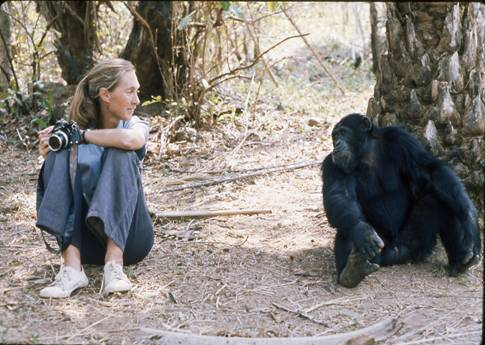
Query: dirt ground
267	275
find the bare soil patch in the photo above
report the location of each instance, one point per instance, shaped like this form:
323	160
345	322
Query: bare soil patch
227	276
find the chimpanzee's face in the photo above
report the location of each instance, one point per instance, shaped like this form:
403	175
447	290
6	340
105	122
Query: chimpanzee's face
348	136
343	155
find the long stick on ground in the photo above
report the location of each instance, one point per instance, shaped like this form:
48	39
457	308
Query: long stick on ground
376	331
207	213
241	176
322	64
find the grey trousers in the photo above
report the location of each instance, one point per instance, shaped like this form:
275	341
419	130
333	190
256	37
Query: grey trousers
117	209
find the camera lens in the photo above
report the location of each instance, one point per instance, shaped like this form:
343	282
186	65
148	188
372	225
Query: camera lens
58	141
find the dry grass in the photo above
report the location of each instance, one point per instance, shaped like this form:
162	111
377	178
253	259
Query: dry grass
231	276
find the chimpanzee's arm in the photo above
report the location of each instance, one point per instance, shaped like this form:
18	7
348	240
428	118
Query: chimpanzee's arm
426	173
344	211
339	199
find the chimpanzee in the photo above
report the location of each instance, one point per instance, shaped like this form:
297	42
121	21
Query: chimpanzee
389	198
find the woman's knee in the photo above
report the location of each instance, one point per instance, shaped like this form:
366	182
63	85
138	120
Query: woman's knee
119	154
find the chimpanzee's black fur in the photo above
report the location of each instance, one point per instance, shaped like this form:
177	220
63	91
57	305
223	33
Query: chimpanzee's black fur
389	198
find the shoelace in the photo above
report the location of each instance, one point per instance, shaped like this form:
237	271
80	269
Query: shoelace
116	272
61	278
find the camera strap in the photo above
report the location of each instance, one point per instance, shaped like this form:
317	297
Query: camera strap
48	246
72	175
73	165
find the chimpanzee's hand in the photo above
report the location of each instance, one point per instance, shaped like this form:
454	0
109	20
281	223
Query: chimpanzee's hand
366	240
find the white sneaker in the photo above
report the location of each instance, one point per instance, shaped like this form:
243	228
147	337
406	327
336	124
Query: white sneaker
114	279
67	280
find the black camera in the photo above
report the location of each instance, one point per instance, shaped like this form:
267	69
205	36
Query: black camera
64	134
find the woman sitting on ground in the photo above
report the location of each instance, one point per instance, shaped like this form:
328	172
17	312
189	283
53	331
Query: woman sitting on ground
90	195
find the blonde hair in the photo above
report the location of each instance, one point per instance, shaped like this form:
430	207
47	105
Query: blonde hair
85	106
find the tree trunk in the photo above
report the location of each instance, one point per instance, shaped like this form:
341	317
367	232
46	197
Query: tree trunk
5	70
75	21
160	69
378	32
432	81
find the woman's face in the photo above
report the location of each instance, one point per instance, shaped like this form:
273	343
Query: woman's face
121	102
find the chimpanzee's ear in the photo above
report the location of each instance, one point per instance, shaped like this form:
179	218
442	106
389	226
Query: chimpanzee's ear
368	124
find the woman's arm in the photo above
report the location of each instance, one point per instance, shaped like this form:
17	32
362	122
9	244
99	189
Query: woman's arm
121	138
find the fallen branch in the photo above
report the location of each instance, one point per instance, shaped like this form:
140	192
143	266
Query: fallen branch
207	213
322	64
377	331
242	176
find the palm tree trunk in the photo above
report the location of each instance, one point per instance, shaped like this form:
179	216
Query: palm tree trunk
432	81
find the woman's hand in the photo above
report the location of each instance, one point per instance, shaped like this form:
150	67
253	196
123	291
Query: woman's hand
43	140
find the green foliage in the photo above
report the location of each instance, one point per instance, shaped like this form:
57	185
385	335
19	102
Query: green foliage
155	99
225	5
31	45
38	104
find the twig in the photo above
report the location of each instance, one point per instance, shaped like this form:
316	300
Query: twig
228	78
246	102
47	28
256	59
208	213
322	64
71	336
256	42
214	172
220	289
243	241
85	329
242	176
22	139
301	314
247	134
246	105
335	301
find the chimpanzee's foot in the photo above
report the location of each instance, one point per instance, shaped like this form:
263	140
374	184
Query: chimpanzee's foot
471	259
356	269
